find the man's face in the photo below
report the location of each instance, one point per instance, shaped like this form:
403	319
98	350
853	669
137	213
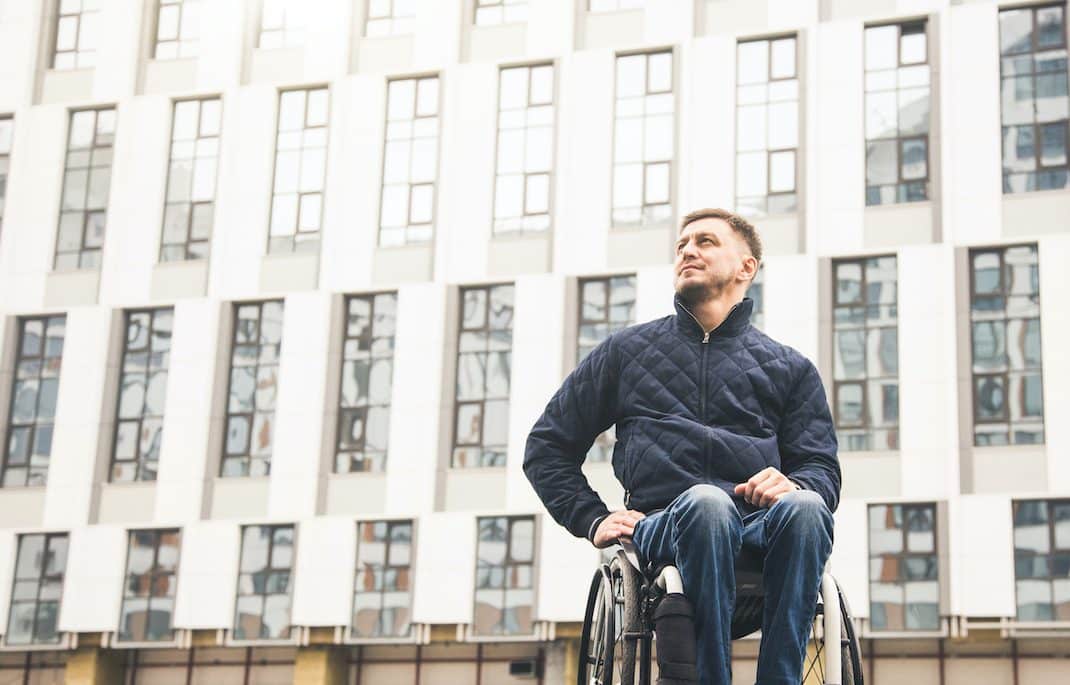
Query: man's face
710	258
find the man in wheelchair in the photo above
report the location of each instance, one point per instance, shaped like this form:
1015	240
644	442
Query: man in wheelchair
724	442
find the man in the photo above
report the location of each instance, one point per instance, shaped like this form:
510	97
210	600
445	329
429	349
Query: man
724	439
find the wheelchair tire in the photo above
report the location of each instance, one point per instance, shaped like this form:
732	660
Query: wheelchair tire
850	651
598	636
628	619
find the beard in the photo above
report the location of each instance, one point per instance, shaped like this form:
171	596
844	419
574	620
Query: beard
697	292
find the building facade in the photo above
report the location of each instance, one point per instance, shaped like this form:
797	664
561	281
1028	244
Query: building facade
284	285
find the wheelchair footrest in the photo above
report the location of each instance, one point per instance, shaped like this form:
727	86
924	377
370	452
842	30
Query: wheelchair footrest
674	626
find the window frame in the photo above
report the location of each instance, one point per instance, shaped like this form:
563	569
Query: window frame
42	577
85	210
412	634
503	4
901	557
152	574
406	21
54	52
7	119
292	631
1053	550
506	565
178	40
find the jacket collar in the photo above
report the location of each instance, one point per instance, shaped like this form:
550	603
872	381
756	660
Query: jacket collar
737	320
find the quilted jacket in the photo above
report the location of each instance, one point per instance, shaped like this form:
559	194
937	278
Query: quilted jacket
689	408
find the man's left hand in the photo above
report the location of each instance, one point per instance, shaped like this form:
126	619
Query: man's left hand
766	487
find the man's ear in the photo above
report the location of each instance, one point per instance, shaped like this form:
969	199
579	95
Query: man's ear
749	268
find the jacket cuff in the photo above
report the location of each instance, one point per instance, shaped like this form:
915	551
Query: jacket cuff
593	526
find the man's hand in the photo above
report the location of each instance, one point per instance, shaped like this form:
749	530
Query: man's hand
618	525
766	487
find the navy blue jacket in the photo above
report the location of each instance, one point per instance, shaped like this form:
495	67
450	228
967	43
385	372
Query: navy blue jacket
689	408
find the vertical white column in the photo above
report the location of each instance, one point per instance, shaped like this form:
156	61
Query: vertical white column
208	575
118	26
324	571
707	67
93	579
1055	340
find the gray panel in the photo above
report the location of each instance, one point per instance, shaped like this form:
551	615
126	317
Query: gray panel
475	489
127	503
72	85
175	280
356	493
72	288
1028	214
403	264
640	247
170	76
1016	468
781	234
22	507
908	223
384	54
289	272
282	65
240	498
509	257
871	474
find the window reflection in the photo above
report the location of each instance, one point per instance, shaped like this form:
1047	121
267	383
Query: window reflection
37	589
383	588
1042	559
904	568
524	166
505	558
410	163
264	577
149	587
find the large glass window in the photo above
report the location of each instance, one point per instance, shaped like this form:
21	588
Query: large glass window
525	149
767	126
1035	106
300	171
177	28
644	140
489	12
897	114
756	292
1008	394
7	131
382	594
33	400
865	353
254	381
367	381
142	392
149	586
606	305
189	210
484	364
37	590
505	570
76	34
1042	559
283	24
86	184
265	581
410	162
390	17
904	586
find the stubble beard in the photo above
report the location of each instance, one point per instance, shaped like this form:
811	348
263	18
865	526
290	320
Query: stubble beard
692	294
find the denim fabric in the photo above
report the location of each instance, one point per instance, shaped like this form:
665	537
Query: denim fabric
701	532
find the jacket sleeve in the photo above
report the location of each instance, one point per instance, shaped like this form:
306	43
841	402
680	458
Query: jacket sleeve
579	411
807	438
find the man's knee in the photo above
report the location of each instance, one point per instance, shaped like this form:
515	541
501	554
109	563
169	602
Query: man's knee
803	511
708	502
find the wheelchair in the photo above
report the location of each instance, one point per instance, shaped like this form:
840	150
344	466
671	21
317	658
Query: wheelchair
618	626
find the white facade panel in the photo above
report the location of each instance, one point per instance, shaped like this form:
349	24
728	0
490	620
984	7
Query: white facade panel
446	549
9	552
220	56
707	122
566	565
323	577
208	575
18	52
118	46
790	302
982	563
551	25
93	582
1054	254
849	562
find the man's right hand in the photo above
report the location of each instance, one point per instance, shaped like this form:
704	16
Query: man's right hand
619	525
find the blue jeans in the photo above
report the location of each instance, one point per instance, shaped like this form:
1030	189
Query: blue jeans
701	533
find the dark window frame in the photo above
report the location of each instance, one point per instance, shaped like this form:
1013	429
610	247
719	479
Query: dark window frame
507	566
55	51
192	204
1053	549
41	579
84	249
178	40
901	557
5	164
269	570
384	568
153	575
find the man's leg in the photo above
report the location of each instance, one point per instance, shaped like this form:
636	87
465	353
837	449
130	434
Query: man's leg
796	534
700	533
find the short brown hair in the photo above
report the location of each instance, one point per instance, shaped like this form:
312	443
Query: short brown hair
740	225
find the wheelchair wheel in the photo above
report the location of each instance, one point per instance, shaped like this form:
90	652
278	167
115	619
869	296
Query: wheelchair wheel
607	656
850	651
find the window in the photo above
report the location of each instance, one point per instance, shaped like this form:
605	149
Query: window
189	209
865	353
149	586
33	400
505	570
756	292
644	139
86	183
484	359
489	12
300	170
254	380
606	305
283	24
904	586
177	28
390	17
37	590
897	114
525	149
1042	559
142	392
1008	396
1035	105
382	594
767	126
76	34
264	583
367	381
614	5
7	130
410	162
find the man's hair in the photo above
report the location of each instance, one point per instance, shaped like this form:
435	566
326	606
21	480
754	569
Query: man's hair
741	226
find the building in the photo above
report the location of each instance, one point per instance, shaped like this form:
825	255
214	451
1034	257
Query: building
284	285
